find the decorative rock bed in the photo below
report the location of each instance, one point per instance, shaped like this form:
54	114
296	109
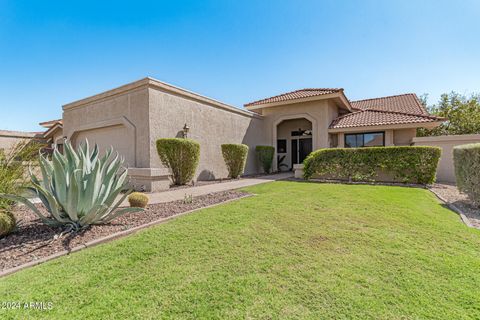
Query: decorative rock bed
34	241
459	202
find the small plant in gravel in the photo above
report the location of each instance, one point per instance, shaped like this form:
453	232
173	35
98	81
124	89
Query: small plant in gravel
138	200
467	170
235	156
78	188
7	223
188	198
265	157
181	156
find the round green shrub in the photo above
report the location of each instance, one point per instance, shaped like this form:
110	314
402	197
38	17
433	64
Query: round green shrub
181	156
265	157
138	200
405	164
235	156
466	159
7	223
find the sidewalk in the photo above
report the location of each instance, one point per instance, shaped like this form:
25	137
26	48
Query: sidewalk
179	194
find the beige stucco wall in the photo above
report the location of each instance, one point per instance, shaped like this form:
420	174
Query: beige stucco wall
132	117
57	136
445	170
403	137
120	121
210	125
117	118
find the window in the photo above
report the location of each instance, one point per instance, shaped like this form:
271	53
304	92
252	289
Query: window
300	133
281	146
370	139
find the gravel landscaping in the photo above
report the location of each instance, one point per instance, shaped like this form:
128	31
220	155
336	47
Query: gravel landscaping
34	240
451	194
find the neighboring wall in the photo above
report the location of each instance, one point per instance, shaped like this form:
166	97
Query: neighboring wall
445	171
211	124
9	138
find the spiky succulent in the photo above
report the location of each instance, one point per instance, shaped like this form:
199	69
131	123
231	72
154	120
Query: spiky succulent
79	188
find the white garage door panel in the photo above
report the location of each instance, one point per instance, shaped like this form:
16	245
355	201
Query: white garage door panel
118	137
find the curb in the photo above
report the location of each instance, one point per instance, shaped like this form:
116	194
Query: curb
110	237
454	208
372	183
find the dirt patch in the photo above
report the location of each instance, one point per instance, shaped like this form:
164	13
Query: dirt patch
317	240
451	194
34	240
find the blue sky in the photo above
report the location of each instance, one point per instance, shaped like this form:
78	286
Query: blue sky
55	52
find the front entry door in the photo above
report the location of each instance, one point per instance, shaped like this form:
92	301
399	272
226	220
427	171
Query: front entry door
294	151
304	148
301	148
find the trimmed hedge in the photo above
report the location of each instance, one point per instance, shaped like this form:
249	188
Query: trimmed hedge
181	156
265	157
235	156
405	164
466	159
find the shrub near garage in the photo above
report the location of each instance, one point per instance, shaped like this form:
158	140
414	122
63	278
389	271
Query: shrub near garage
181	156
405	164
235	156
265	157
466	159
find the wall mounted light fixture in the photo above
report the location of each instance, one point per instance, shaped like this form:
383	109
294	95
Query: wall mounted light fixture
185	131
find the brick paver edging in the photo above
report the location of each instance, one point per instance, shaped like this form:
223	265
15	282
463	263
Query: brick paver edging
109	238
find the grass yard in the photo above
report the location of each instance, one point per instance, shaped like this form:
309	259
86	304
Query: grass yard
294	251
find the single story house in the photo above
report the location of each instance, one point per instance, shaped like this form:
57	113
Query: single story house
52	136
132	117
8	138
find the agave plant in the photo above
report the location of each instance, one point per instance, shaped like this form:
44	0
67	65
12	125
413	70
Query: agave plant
78	188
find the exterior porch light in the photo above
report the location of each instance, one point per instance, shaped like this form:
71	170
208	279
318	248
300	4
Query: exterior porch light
185	131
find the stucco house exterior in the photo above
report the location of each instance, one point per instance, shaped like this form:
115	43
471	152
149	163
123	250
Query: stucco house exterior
132	117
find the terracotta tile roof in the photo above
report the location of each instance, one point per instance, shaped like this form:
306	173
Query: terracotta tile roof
407	103
371	117
293	95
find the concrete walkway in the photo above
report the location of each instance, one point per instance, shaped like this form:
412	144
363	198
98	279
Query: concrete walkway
179	194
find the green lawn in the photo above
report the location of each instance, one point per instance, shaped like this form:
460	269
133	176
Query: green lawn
294	251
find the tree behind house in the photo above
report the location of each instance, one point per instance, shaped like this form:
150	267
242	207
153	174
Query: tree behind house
463	114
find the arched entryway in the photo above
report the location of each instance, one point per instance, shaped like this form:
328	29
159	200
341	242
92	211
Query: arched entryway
294	139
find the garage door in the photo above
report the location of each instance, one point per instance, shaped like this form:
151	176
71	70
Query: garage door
119	137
